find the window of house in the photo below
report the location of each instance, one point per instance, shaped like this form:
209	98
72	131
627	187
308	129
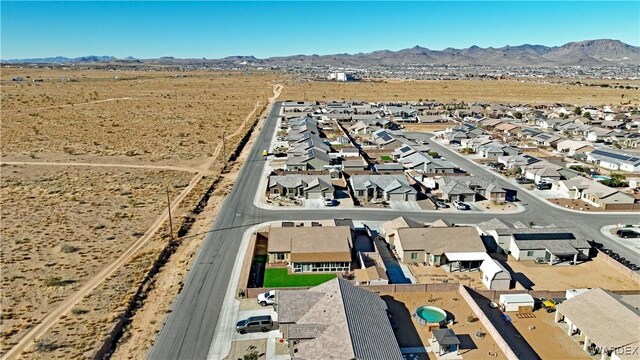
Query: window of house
279	256
360	192
529	253
414	256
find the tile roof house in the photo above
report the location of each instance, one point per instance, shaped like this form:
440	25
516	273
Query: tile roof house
426	164
572	147
302	186
544	170
626	140
473	188
337	320
388	229
495	149
596	134
546	139
602	196
604	321
382	187
434	245
311	159
517	161
315	248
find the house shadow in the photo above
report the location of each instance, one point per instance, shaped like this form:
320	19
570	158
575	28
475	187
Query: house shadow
402	323
518	277
466	343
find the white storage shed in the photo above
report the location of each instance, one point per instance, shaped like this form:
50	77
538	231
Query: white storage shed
517	302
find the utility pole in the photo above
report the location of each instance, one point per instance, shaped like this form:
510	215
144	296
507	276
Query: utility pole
170	221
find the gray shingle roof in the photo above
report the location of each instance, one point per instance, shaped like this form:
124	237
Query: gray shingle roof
338	320
371	333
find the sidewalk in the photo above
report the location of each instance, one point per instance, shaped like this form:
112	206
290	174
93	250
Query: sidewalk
225	332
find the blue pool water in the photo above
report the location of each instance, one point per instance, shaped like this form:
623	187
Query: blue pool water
600	177
431	314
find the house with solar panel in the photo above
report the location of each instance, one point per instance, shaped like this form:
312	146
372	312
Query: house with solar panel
615	160
545	245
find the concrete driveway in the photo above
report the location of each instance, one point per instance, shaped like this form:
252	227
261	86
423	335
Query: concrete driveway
314	203
268	310
404	205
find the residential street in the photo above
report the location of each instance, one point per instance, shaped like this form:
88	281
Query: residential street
189	329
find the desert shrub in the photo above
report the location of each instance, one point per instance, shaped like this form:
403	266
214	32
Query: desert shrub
471	318
67	249
44	345
79	311
54	281
253	355
433	154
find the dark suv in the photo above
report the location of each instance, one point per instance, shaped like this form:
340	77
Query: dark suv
544	186
627	234
524	180
255	324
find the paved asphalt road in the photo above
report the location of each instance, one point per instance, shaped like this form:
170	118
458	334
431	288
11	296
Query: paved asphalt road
189	329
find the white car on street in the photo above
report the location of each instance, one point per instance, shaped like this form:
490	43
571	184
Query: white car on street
460	205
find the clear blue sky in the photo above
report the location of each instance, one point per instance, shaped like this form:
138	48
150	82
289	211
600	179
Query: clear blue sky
218	29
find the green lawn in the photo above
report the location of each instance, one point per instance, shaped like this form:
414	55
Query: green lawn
280	277
385	158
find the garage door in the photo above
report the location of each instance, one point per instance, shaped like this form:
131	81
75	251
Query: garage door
314	195
396	197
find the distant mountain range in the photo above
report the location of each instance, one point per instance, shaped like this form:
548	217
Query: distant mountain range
603	52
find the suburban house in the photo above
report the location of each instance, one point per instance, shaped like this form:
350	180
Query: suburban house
496	149
593	192
382	187
546	139
297	106
426	164
301	186
311	249
436	246
517	161
389	229
354	164
598	134
473	188
603	321
336	320
551	245
600	195
615	160
475	143
626	140
312	159
573	147
544	170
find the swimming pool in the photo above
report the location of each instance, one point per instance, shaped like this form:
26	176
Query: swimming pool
430	314
600	177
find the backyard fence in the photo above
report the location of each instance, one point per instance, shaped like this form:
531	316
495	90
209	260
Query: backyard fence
497	337
633	275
